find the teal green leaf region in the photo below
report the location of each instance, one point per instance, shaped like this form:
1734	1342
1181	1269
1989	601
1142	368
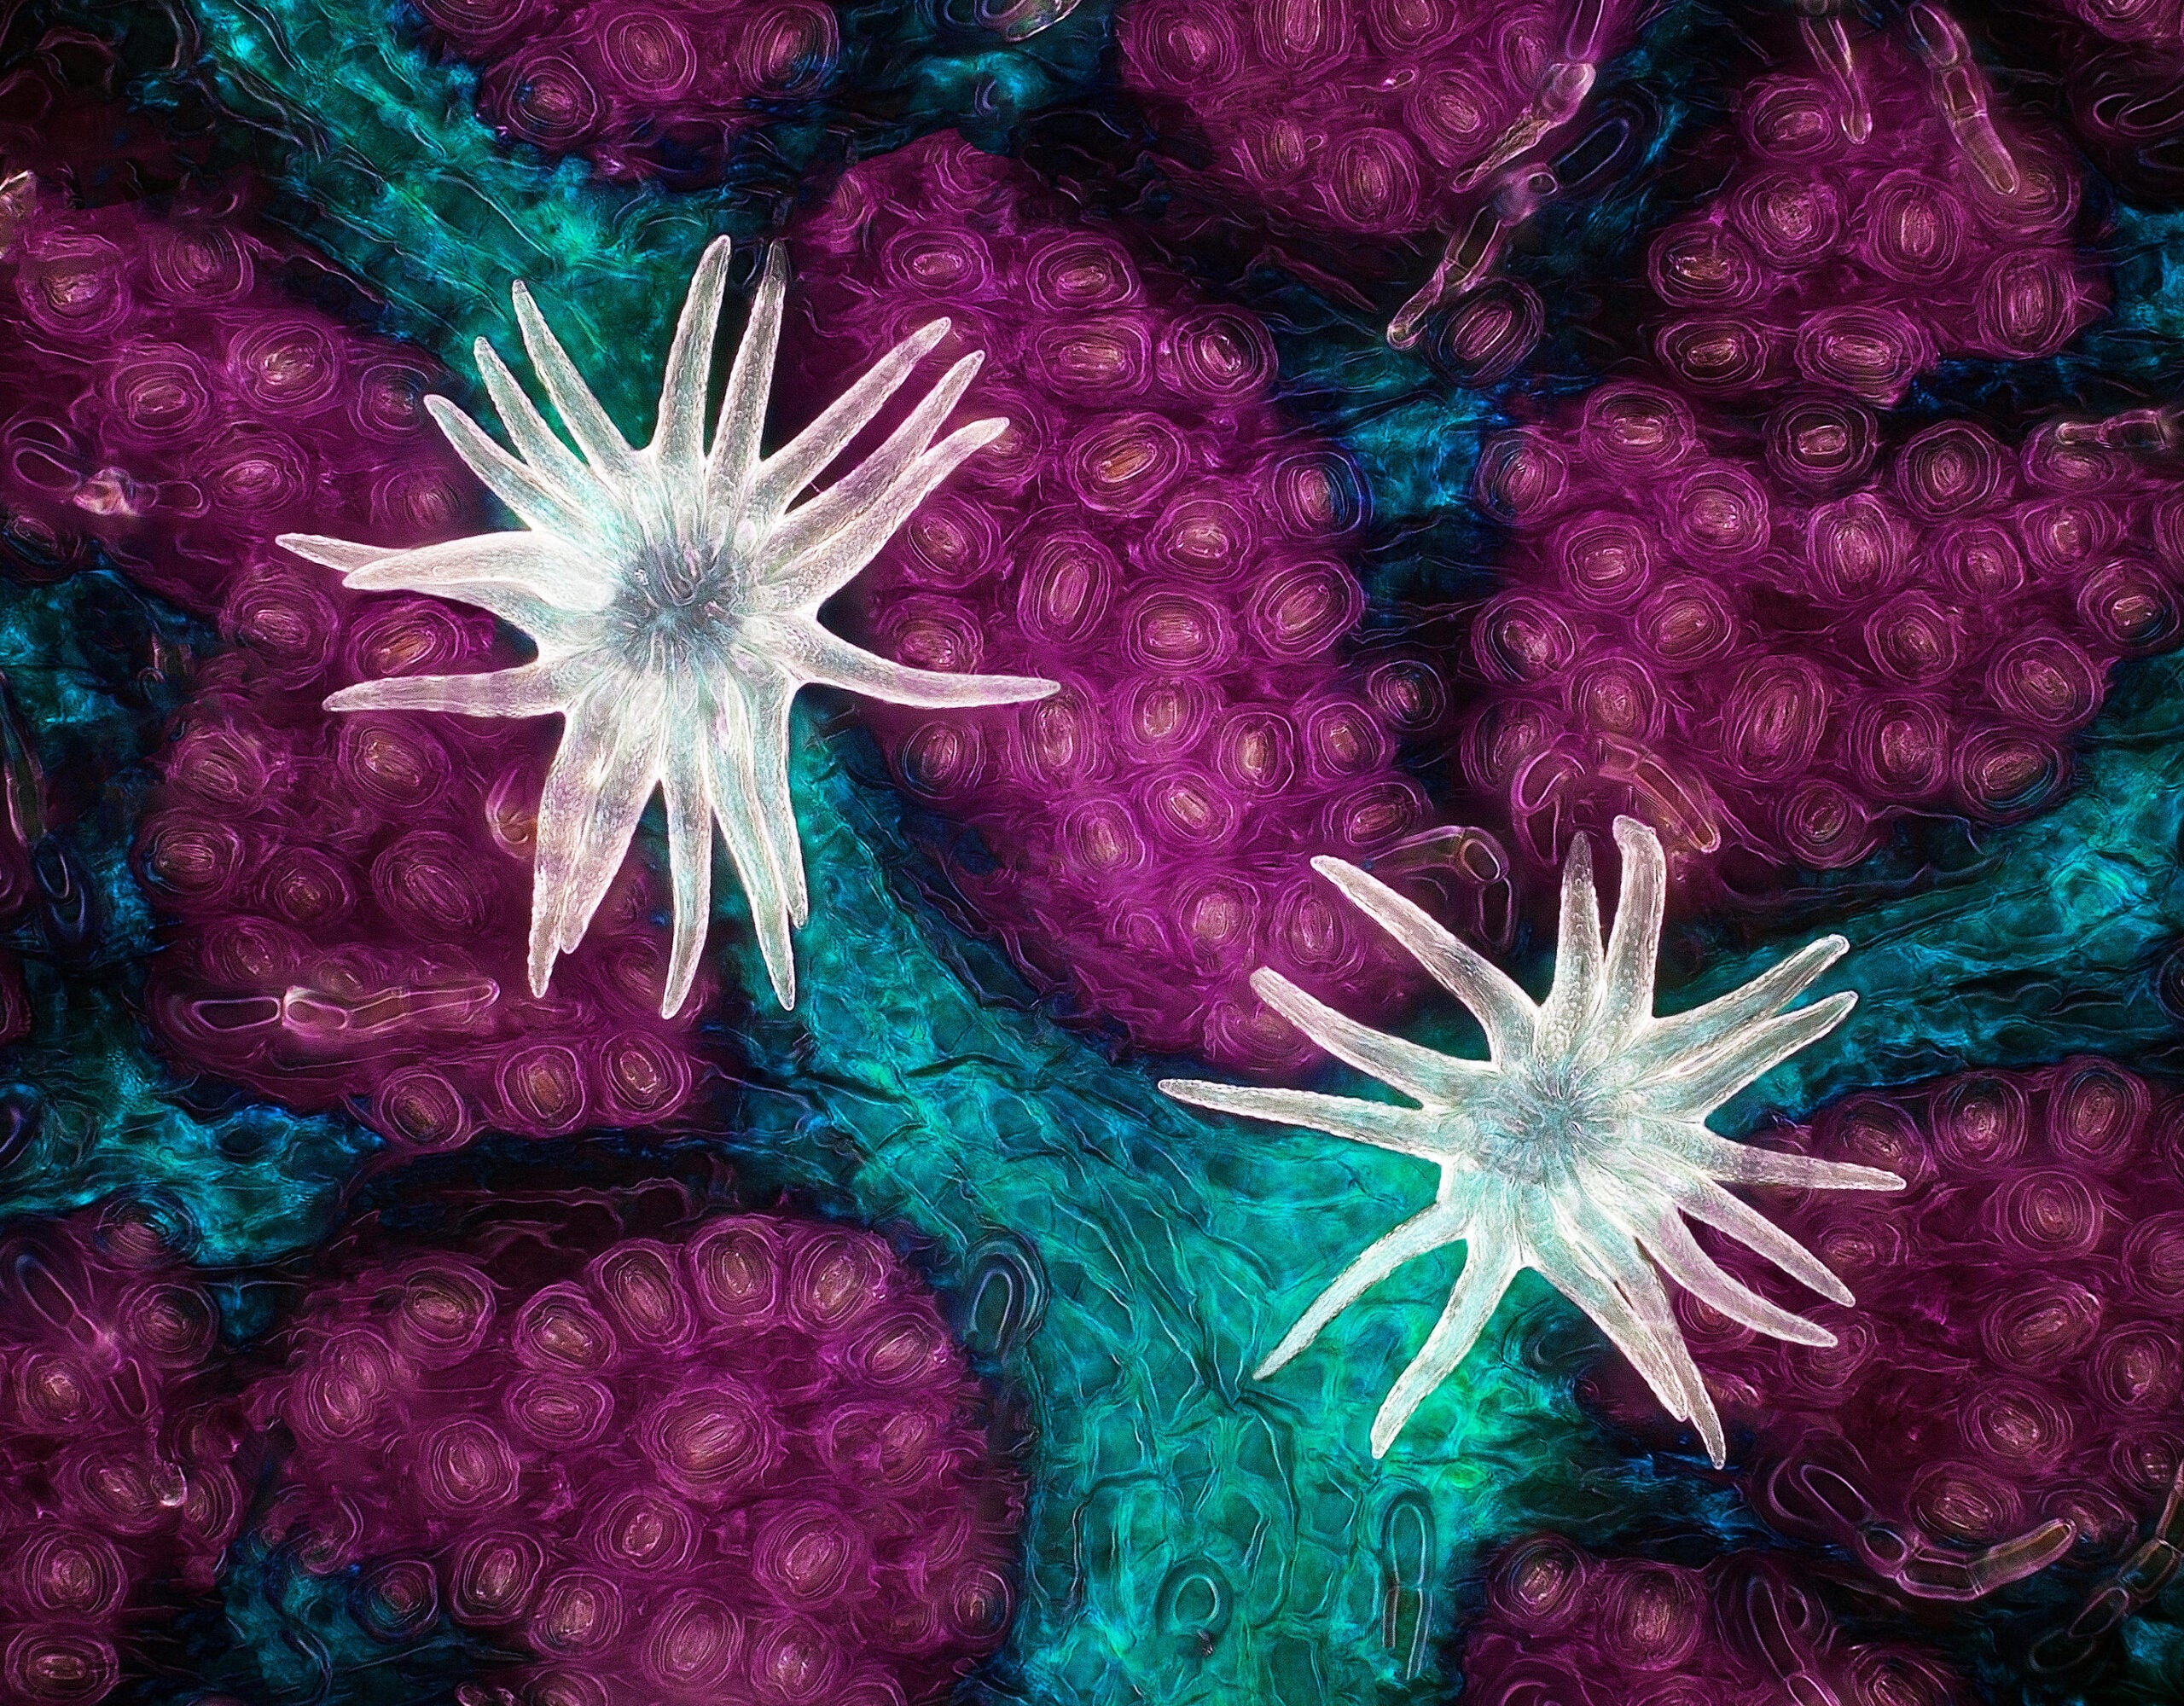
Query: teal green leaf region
1195	1534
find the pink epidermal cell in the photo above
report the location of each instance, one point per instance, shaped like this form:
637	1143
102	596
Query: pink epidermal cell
2002	1401
1565	1626
743	1462
116	1448
1151	533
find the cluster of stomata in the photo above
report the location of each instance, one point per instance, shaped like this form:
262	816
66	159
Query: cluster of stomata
673	595
672	592
1378	120
743	1461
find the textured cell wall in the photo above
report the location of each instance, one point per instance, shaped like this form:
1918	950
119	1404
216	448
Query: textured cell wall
1113	1266
2095	881
988	1255
91	1108
2011	1362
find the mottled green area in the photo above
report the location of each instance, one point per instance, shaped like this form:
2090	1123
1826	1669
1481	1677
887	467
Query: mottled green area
298	1637
931	62
94	669
2138	345
1196	1535
2153	1656
2049	939
252	1181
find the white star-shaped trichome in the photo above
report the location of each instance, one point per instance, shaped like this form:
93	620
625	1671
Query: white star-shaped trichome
1579	1144
673	595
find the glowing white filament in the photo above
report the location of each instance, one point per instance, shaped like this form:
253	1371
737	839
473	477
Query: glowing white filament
673	595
